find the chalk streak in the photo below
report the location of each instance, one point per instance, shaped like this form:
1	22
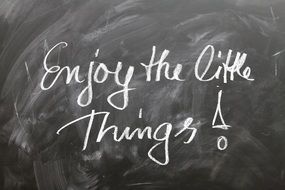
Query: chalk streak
28	72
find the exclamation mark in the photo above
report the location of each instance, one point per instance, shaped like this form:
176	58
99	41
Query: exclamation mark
222	141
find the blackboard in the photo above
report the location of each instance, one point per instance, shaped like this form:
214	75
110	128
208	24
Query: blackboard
142	94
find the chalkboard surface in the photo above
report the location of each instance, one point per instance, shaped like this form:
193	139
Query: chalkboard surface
142	94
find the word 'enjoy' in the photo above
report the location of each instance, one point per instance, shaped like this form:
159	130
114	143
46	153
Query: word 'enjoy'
101	70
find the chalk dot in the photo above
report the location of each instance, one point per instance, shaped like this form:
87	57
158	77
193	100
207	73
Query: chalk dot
219	54
97	53
140	113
